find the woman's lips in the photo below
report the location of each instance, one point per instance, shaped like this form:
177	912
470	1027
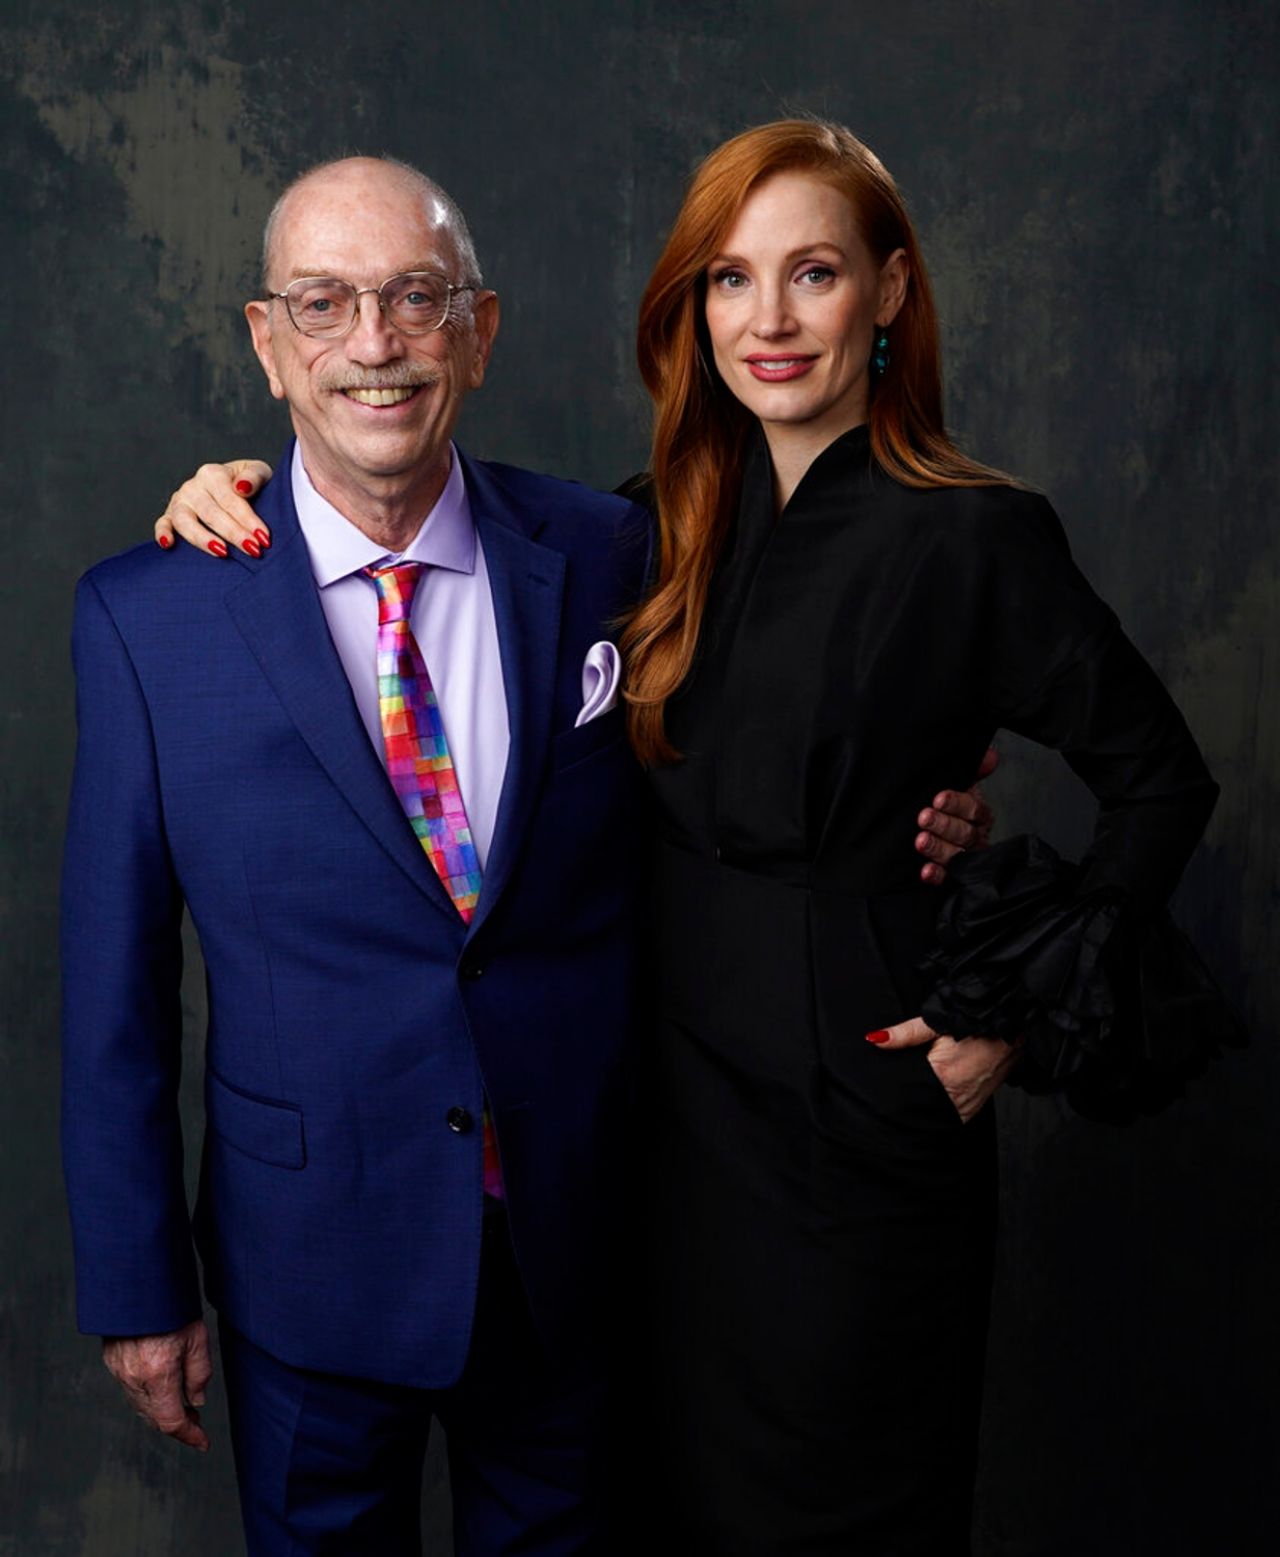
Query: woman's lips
777	370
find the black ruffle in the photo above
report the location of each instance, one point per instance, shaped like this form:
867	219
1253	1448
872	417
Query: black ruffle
1113	1006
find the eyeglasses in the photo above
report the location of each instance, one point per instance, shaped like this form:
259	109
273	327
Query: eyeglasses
414	303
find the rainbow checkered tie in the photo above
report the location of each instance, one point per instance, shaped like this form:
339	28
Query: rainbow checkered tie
418	761
421	770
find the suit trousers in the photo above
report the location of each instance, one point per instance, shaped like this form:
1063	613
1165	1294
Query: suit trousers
331	1466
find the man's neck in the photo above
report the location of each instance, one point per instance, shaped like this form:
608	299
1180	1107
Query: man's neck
389	509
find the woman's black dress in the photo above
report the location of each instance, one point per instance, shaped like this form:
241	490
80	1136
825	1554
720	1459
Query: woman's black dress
824	1221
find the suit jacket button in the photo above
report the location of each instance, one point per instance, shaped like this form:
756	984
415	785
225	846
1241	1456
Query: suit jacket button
472	970
459	1120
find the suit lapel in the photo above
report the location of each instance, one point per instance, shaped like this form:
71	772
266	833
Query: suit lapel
527	583
278	612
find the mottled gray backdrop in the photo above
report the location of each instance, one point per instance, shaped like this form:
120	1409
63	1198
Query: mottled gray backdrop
1096	186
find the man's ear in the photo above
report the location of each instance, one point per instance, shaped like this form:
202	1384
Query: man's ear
258	313
484	316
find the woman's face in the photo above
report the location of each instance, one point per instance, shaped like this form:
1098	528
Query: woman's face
793	299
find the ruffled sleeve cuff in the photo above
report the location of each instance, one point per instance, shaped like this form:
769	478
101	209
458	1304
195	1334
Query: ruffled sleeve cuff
1113	1006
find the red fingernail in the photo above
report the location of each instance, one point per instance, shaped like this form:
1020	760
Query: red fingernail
252	547
165	542
244	487
217	548
263	539
881	1036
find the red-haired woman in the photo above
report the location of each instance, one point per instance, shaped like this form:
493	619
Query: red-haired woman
846	609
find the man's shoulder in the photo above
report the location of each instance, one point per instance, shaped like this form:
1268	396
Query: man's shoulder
554	495
142	565
145	575
600	529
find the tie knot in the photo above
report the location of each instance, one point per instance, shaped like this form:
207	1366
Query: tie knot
395	587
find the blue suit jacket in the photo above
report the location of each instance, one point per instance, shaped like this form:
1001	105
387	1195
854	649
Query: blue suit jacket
222	762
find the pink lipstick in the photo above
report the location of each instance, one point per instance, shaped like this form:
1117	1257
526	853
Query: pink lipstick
778	369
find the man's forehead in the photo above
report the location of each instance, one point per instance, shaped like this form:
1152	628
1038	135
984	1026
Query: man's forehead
364	217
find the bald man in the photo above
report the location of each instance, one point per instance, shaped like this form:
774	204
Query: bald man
381	763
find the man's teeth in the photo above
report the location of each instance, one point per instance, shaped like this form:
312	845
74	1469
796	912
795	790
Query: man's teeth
379	396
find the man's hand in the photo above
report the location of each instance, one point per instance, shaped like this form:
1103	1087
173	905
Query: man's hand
164	1377
955	822
969	1068
211	510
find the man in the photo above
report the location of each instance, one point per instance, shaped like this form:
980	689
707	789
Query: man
362	1018
420	990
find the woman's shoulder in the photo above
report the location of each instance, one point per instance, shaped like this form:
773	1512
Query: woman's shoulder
1001	519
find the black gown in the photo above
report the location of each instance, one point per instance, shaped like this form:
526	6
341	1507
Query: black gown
824	1222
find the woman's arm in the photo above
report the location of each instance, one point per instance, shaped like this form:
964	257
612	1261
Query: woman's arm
1080	959
211	510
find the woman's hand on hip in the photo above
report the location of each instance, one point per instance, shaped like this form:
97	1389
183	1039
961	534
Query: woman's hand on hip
211	509
969	1068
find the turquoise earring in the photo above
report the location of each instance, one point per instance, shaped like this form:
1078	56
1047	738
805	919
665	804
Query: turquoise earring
880	350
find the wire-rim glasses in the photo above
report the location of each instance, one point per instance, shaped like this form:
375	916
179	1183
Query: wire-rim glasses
416	302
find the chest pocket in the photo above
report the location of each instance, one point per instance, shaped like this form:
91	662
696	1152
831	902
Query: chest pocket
576	745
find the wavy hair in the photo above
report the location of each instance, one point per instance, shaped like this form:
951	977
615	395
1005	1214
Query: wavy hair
700	430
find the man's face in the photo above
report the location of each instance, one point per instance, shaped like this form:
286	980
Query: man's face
362	221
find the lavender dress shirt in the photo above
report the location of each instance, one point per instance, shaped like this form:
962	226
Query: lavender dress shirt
451	618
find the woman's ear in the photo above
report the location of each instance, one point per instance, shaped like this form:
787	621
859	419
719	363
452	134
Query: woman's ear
895	276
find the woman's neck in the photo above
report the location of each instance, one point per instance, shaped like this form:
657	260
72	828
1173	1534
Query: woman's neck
793	447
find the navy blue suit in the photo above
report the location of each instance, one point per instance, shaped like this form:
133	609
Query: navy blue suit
222	763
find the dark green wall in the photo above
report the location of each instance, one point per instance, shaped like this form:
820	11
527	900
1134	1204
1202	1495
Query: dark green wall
1096	187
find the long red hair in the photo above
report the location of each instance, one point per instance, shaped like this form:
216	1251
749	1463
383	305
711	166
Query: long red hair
700	429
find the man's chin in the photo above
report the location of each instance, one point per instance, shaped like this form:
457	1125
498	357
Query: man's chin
374	462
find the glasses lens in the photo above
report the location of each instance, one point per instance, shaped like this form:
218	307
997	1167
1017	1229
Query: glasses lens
416	303
321	305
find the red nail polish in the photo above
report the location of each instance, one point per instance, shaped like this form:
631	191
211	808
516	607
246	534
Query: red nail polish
252	547
217	548
244	487
165	542
880	1036
263	539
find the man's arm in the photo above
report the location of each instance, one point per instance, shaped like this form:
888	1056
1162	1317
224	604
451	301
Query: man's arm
956	821
122	1028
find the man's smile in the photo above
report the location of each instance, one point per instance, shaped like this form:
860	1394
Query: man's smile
381	397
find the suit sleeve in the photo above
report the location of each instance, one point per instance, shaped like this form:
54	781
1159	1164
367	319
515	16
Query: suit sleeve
122	1027
1080	960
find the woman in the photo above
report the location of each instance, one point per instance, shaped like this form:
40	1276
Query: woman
846	608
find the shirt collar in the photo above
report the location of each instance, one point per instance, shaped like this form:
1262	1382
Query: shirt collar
446	539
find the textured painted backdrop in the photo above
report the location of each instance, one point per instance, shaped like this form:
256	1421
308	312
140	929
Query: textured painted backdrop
1096	188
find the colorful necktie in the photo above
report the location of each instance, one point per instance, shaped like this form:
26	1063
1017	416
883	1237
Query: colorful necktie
418	761
421	770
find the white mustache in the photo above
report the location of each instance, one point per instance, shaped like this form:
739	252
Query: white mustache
395	375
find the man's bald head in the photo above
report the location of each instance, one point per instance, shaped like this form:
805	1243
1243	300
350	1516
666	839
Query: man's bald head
441	210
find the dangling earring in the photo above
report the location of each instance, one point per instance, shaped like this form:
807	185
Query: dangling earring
880	350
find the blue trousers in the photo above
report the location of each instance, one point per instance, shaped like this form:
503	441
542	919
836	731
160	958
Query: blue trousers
331	1466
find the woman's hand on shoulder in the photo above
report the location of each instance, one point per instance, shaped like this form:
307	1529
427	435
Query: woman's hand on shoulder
969	1068
211	510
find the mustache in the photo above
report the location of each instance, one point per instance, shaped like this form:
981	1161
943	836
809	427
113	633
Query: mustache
394	375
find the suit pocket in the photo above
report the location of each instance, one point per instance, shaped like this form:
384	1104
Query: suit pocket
270	1132
585	740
